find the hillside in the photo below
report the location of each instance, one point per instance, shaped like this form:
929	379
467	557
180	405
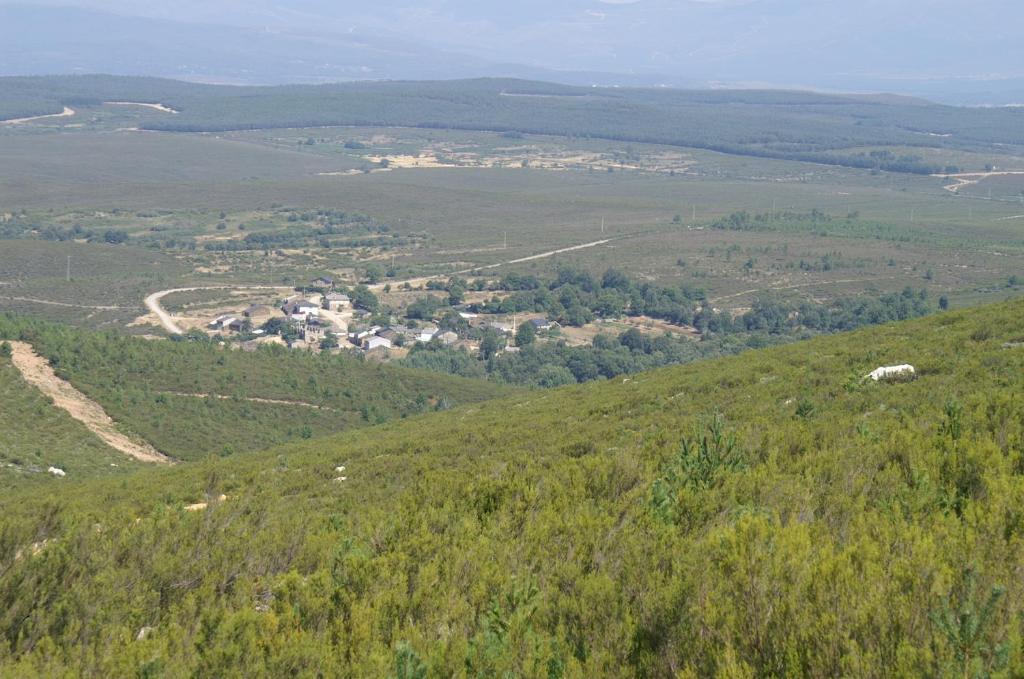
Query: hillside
822	128
35	436
762	515
190	400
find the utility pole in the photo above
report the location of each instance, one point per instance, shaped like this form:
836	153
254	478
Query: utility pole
602	225
69	269
773	209
911	215
505	245
694	217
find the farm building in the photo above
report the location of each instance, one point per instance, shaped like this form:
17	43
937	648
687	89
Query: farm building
372	343
300	308
324	282
336	300
259	313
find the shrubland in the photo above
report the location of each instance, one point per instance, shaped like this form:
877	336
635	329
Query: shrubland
191	399
769	514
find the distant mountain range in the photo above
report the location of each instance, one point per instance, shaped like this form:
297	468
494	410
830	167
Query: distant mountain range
950	51
68	40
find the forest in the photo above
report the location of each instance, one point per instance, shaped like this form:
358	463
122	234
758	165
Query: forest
768	514
819	128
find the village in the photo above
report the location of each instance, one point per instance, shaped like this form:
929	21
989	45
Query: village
325	318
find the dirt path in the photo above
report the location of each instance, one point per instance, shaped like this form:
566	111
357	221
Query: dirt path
415	282
66	113
65	304
800	285
155	107
37	372
968	178
252	399
153	302
543	255
168	323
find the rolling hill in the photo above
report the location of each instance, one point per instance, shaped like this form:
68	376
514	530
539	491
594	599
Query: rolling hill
805	126
191	400
769	514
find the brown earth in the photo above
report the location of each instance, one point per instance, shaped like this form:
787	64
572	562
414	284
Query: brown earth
37	371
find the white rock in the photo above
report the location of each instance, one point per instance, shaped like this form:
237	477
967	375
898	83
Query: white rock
891	371
57	472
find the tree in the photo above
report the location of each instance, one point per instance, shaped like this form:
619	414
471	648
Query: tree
525	335
330	341
5	350
490	344
374	273
363	298
966	628
456	293
943	302
115	236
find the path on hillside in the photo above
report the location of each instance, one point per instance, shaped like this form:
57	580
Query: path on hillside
36	371
251	399
65	304
421	280
801	285
66	113
155	107
153	302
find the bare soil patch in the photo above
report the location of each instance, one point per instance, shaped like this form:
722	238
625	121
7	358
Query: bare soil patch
37	371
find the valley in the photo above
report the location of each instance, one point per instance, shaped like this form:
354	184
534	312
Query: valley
507	378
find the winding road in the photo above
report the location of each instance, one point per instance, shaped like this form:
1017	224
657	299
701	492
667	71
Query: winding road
153	302
66	113
168	323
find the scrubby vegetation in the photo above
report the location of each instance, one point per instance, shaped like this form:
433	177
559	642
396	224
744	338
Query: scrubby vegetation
793	125
771	514
192	399
576	298
35	436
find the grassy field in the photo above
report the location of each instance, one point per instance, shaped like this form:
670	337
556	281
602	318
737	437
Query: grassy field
570	529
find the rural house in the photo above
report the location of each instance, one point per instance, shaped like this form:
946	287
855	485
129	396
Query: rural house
300	308
334	301
324	282
375	342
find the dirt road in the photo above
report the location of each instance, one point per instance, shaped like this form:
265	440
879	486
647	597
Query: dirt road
65	304
252	399
153	302
155	107
37	372
66	113
968	178
415	282
812	284
168	323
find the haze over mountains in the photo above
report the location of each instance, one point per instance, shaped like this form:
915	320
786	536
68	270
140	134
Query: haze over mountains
904	47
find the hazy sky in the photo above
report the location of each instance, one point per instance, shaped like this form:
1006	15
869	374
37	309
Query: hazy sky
823	43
